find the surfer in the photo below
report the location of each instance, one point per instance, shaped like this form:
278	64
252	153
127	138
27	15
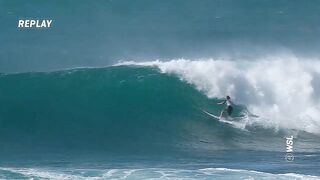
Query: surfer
228	108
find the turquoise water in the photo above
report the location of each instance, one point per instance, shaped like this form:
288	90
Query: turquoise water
116	89
100	33
134	122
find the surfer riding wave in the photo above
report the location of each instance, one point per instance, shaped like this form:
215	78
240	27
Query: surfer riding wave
228	107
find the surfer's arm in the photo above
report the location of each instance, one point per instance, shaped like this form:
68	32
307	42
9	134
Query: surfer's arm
223	102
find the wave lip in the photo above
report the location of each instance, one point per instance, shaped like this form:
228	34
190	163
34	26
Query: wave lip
283	91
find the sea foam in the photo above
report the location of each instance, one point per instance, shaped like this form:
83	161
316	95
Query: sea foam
283	91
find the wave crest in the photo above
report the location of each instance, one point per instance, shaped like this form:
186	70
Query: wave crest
283	91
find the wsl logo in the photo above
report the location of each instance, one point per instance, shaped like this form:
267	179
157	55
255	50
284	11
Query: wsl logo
289	149
30	23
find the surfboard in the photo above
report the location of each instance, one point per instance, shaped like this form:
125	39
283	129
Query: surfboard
238	122
212	115
223	119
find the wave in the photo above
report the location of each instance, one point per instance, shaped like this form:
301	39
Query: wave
141	109
283	91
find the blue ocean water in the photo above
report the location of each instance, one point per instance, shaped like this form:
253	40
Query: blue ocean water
135	122
100	33
116	89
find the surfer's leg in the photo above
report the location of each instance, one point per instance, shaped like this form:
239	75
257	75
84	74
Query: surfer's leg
221	114
229	110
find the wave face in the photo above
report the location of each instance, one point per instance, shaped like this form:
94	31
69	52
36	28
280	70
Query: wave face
283	91
140	109
115	108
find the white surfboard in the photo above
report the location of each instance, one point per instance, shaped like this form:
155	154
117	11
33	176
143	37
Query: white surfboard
229	120
239	123
222	119
214	116
238	118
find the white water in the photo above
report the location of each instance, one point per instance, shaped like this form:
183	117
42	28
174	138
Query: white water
148	173
283	91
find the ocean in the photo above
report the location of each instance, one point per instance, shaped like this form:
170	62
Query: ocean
145	120
117	89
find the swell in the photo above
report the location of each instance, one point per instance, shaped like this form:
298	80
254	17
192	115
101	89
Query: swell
118	109
108	108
